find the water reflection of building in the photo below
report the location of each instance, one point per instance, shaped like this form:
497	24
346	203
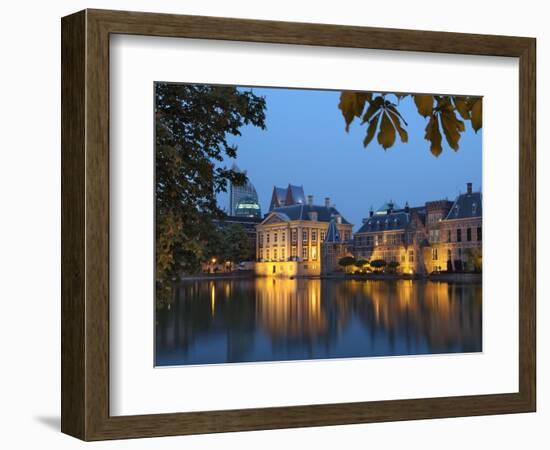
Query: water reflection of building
440	235
289	310
213	321
243	200
290	238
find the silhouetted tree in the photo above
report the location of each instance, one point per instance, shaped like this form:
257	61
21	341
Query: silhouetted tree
192	126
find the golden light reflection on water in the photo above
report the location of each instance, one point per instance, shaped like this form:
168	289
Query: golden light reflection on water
436	310
284	308
308	317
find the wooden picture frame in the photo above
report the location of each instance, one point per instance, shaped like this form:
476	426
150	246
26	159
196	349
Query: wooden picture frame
85	224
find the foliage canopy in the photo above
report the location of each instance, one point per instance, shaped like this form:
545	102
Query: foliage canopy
192	126
444	113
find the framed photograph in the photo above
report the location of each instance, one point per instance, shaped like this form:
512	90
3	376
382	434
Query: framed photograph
271	224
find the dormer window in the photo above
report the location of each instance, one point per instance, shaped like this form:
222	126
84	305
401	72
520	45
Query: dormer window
474	208
456	210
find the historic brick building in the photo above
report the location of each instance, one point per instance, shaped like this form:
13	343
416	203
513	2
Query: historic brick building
440	235
289	239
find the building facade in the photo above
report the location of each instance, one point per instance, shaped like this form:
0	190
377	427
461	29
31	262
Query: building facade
290	238
243	200
438	236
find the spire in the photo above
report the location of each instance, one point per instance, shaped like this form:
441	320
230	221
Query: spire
333	235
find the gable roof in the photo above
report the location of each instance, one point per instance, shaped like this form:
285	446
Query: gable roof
302	212
333	235
466	206
397	220
295	195
291	195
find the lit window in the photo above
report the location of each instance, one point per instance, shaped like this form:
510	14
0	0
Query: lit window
434	254
275	254
304	235
323	235
275	237
313	235
305	253
411	256
283	236
282	254
314	253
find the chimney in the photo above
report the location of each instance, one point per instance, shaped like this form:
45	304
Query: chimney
469	188
327	202
310	200
371	212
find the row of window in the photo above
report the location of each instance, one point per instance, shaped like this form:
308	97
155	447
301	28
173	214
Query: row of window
275	235
433	236
280	254
469	235
380	239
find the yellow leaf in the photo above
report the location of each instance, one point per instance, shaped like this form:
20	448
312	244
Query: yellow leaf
434	136
371	130
452	127
352	104
462	107
424	104
374	106
386	134
477	115
403	135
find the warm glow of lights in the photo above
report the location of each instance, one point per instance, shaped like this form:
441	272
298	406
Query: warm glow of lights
212	299
213	260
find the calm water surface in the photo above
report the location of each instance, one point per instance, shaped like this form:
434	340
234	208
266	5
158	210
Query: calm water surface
267	319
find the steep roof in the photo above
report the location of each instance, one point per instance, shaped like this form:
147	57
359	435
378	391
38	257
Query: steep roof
466	206
333	235
280	194
396	220
388	205
302	212
295	195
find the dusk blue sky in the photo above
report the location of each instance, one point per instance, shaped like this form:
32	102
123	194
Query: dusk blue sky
306	144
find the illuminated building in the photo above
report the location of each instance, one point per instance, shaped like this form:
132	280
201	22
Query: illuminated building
289	240
243	200
440	235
